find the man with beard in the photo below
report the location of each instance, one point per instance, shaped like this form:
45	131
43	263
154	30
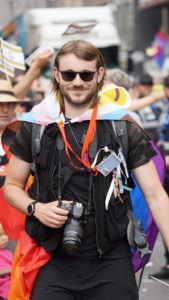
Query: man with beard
77	206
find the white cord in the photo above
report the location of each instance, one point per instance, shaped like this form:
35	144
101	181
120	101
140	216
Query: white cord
109	193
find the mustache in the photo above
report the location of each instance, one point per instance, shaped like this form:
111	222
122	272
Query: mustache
79	88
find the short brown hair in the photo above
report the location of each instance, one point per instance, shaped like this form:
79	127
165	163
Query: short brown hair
83	50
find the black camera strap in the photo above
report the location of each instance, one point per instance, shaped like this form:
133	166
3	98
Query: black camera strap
37	132
137	240
60	147
88	207
92	151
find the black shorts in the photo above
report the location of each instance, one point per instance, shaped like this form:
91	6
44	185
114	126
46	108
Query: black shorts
63	278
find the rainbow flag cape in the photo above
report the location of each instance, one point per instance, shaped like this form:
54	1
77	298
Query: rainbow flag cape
29	257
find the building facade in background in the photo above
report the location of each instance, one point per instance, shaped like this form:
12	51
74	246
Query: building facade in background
149	3
150	17
137	22
10	9
31	28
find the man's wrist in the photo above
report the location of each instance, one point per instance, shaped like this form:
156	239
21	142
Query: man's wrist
31	208
35	70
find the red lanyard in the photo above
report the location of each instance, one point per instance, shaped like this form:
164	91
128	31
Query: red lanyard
88	139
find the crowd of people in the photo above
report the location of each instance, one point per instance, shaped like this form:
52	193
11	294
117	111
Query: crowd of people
64	184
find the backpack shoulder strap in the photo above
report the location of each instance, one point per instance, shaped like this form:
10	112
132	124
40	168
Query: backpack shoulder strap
37	132
120	129
136	238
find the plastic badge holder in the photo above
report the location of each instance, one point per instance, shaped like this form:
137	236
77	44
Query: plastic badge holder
108	164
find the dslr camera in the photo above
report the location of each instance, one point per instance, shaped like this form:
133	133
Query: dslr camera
73	230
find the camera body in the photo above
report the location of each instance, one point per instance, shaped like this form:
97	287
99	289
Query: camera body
73	230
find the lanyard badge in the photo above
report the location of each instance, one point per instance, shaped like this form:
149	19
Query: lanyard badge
107	165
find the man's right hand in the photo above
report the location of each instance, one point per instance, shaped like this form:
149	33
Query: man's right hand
50	214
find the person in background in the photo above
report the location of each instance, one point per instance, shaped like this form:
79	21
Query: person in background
121	78
23	107
22	88
7	114
145	85
150	115
39	95
26	86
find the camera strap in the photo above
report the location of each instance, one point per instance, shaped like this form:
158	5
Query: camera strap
137	240
92	151
60	147
37	132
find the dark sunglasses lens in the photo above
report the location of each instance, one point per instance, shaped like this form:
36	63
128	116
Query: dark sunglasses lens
87	76
68	76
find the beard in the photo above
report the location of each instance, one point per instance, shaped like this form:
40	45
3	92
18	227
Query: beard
79	100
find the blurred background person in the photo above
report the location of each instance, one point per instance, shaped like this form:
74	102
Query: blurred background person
121	78
150	115
7	114
23	86
145	85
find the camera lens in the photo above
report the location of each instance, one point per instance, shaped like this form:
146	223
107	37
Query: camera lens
72	236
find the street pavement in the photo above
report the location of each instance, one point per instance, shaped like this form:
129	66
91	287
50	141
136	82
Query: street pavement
152	289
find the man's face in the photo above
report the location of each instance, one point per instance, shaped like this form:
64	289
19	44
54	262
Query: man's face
78	91
145	89
6	113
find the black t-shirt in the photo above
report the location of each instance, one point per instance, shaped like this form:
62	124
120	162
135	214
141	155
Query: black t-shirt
140	152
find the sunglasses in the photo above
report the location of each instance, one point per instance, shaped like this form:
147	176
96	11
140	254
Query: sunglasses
71	75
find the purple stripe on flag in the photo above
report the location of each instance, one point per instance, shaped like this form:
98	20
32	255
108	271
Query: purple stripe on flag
152	228
117	94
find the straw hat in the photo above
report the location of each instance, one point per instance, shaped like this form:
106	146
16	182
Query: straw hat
6	92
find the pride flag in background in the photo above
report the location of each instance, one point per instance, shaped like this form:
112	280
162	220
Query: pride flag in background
158	50
12	57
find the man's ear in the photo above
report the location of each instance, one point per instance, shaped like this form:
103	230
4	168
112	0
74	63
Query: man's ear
56	73
101	72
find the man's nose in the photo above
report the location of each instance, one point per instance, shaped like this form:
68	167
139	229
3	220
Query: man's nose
77	80
5	106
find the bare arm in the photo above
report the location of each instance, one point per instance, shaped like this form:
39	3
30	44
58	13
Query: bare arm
21	88
145	101
3	238
156	197
47	213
